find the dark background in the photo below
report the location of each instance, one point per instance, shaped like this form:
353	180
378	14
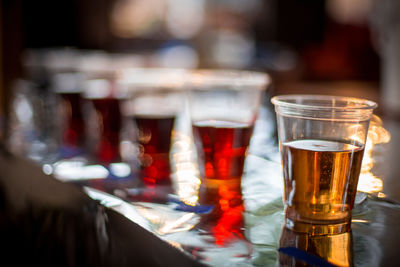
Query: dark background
325	50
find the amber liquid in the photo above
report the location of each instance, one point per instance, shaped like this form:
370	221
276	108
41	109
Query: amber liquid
154	139
336	249
320	179
221	148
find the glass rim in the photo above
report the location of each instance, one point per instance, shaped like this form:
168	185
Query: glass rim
152	77
100	88
228	77
358	103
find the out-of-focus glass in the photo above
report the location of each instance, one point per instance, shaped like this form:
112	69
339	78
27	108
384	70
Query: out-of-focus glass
322	141
104	120
32	128
71	134
223	108
155	103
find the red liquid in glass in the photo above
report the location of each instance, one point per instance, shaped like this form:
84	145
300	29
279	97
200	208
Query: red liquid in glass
109	123
221	148
154	138
74	132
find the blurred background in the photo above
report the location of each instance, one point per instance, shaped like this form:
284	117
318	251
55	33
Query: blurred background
339	47
297	42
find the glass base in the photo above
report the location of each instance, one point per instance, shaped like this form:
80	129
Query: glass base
318	228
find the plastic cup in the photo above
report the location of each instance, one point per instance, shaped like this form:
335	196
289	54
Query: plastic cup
322	141
223	108
155	102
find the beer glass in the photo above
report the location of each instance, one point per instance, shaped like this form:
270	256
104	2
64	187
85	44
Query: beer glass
322	140
223	107
155	100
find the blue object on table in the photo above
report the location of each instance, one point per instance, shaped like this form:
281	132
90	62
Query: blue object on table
306	257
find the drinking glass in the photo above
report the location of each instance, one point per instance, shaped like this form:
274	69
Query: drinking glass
155	101
104	120
70	119
223	107
322	140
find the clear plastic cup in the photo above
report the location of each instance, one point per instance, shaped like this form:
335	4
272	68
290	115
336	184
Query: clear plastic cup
223	108
155	102
322	140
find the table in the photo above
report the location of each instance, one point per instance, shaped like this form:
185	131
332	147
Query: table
371	241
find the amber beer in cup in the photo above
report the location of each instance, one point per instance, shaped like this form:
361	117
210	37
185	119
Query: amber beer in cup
223	108
322	140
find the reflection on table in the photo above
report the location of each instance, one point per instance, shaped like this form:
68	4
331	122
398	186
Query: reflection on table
258	233
302	249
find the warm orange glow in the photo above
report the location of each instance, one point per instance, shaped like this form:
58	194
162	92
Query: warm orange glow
188	181
377	134
229	225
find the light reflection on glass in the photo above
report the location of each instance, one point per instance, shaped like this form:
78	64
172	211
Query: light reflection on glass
120	169
186	172
77	170
377	134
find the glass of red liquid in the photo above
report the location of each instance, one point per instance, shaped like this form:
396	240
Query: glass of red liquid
104	120
156	100
223	108
68	88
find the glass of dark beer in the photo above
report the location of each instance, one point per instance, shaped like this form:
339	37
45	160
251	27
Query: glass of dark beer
156	100
322	140
223	108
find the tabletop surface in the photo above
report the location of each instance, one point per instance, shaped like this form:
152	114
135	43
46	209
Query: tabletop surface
371	241
264	240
